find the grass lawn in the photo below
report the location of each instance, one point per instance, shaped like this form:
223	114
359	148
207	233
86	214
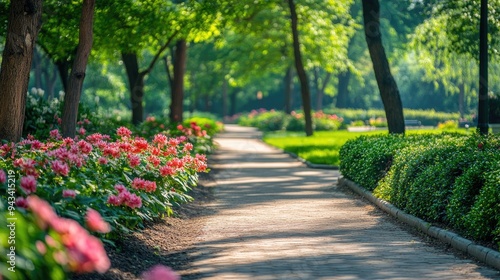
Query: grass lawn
323	147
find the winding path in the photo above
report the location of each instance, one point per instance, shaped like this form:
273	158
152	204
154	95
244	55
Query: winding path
274	218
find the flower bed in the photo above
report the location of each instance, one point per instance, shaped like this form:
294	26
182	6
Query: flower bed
59	190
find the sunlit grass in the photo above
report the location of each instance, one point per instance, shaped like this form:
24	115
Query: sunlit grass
323	147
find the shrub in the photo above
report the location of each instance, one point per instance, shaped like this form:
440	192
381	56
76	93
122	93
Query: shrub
378	122
446	178
450	124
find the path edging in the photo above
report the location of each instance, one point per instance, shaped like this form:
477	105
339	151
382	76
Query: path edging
481	253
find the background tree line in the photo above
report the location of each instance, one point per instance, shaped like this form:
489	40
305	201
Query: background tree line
166	57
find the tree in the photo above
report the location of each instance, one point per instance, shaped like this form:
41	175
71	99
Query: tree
72	97
177	82
301	73
389	91
23	27
483	113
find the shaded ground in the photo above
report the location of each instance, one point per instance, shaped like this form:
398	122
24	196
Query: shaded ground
167	242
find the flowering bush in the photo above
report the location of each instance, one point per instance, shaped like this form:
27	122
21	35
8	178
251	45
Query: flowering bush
43	115
127	180
38	244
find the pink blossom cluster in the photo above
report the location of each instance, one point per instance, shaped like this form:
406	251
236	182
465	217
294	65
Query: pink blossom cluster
145	185
82	252
124	197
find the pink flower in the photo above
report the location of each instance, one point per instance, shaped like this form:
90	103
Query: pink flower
180	127
114	200
154	160
133	201
82	131
95	222
60	167
134	160
69	193
160	272
54	134
3	176
85	253
21	202
141	184
123	132
160	139
40	246
140	144
188	147
28	184
42	210
120	188
84	147
103	160
166	170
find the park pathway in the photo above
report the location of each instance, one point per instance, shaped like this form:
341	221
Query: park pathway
274	218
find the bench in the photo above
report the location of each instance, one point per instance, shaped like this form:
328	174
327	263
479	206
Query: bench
412	123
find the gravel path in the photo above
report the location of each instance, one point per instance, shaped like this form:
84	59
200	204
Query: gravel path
274	218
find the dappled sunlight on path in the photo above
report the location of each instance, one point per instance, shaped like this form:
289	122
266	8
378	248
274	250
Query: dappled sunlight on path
274	218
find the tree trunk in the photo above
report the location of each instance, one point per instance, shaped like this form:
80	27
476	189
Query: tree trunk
75	83
389	91
343	89
22	30
483	103
461	99
301	73
63	68
136	84
224	98
177	97
320	89
288	81
232	96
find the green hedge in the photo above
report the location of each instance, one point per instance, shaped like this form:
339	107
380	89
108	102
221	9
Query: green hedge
447	178
426	117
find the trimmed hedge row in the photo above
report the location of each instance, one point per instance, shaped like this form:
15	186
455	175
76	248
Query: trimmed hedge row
447	178
426	117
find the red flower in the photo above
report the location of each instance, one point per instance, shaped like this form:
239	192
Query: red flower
123	132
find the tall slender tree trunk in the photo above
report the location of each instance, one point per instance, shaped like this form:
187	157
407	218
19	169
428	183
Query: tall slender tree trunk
389	91
75	83
288	82
224	98
461	99
63	67
343	89
483	103
301	73
232	97
177	93
22	30
320	88
136	84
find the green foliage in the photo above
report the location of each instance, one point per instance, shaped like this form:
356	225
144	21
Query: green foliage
447	178
426	117
450	124
277	120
